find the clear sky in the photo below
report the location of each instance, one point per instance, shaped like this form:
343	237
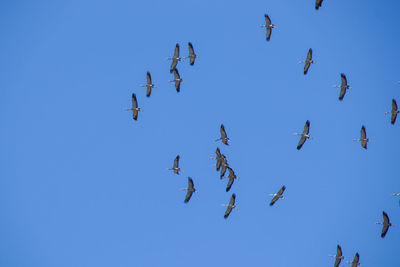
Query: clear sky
82	184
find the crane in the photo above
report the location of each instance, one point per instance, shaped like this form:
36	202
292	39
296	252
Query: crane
149	85
232	177
175	167
343	86
356	260
135	109
386	224
308	61
304	135
268	25
364	140
224	138
177	80
338	257
277	195
230	206
192	55
219	158
175	59
190	190
394	112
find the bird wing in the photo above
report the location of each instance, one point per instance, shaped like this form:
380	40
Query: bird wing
394	111
134	101
190	183
218	152
188	196
384	230
223	168
318	3
393	119
148	91
223	132
306	67
301	142
342	92
356	260
148	77
176	162
232	200
344	80
192	55
309	55
176	52
269	31
177	80
274	199
267	20
394	105
227	212
173	65
190	190
280	192
178	86
306	129
176	74
363	132
230	183
339	251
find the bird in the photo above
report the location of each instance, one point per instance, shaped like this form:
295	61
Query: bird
190	190
364	140
308	61
386	224
224	138
177	79
318	4
192	55
343	86
355	261
224	166
277	195
338	256
394	112
230	206
175	59
149	84
135	110
219	159
175	167
232	177
304	135
268	25
397	194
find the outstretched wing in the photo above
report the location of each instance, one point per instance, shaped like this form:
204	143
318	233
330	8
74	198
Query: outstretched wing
274	199
148	77
394	111
232	200
309	55
318	4
394	105
306	129
280	192
190	190
223	132
308	61
134	106
176	52
269	31
192	55
301	142
356	260
386	224
219	159
224	165
229	208
343	86
363	136
342	93
230	183
149	84
338	256
306	67
173	65
176	162
177	80
267	20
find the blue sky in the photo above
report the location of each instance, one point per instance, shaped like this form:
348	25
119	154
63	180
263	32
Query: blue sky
82	184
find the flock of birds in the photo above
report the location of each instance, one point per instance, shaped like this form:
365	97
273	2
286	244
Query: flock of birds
221	161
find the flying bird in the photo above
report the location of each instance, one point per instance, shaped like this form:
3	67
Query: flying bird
277	195
175	167
232	177
177	80
190	190
386	224
318	4
175	59
224	138
338	256
308	61
230	206
268	25
364	140
394	111
356	261
224	166
192	55
219	159
149	84
135	110
304	135
343	86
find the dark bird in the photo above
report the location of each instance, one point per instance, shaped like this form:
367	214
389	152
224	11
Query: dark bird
224	138
394	111
386	224
177	80
224	166
135	110
308	61
175	58
304	135
364	140
343	86
190	190
232	177
192	55
149	84
230	206
356	261
318	4
175	167
268	25
339	257
277	195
